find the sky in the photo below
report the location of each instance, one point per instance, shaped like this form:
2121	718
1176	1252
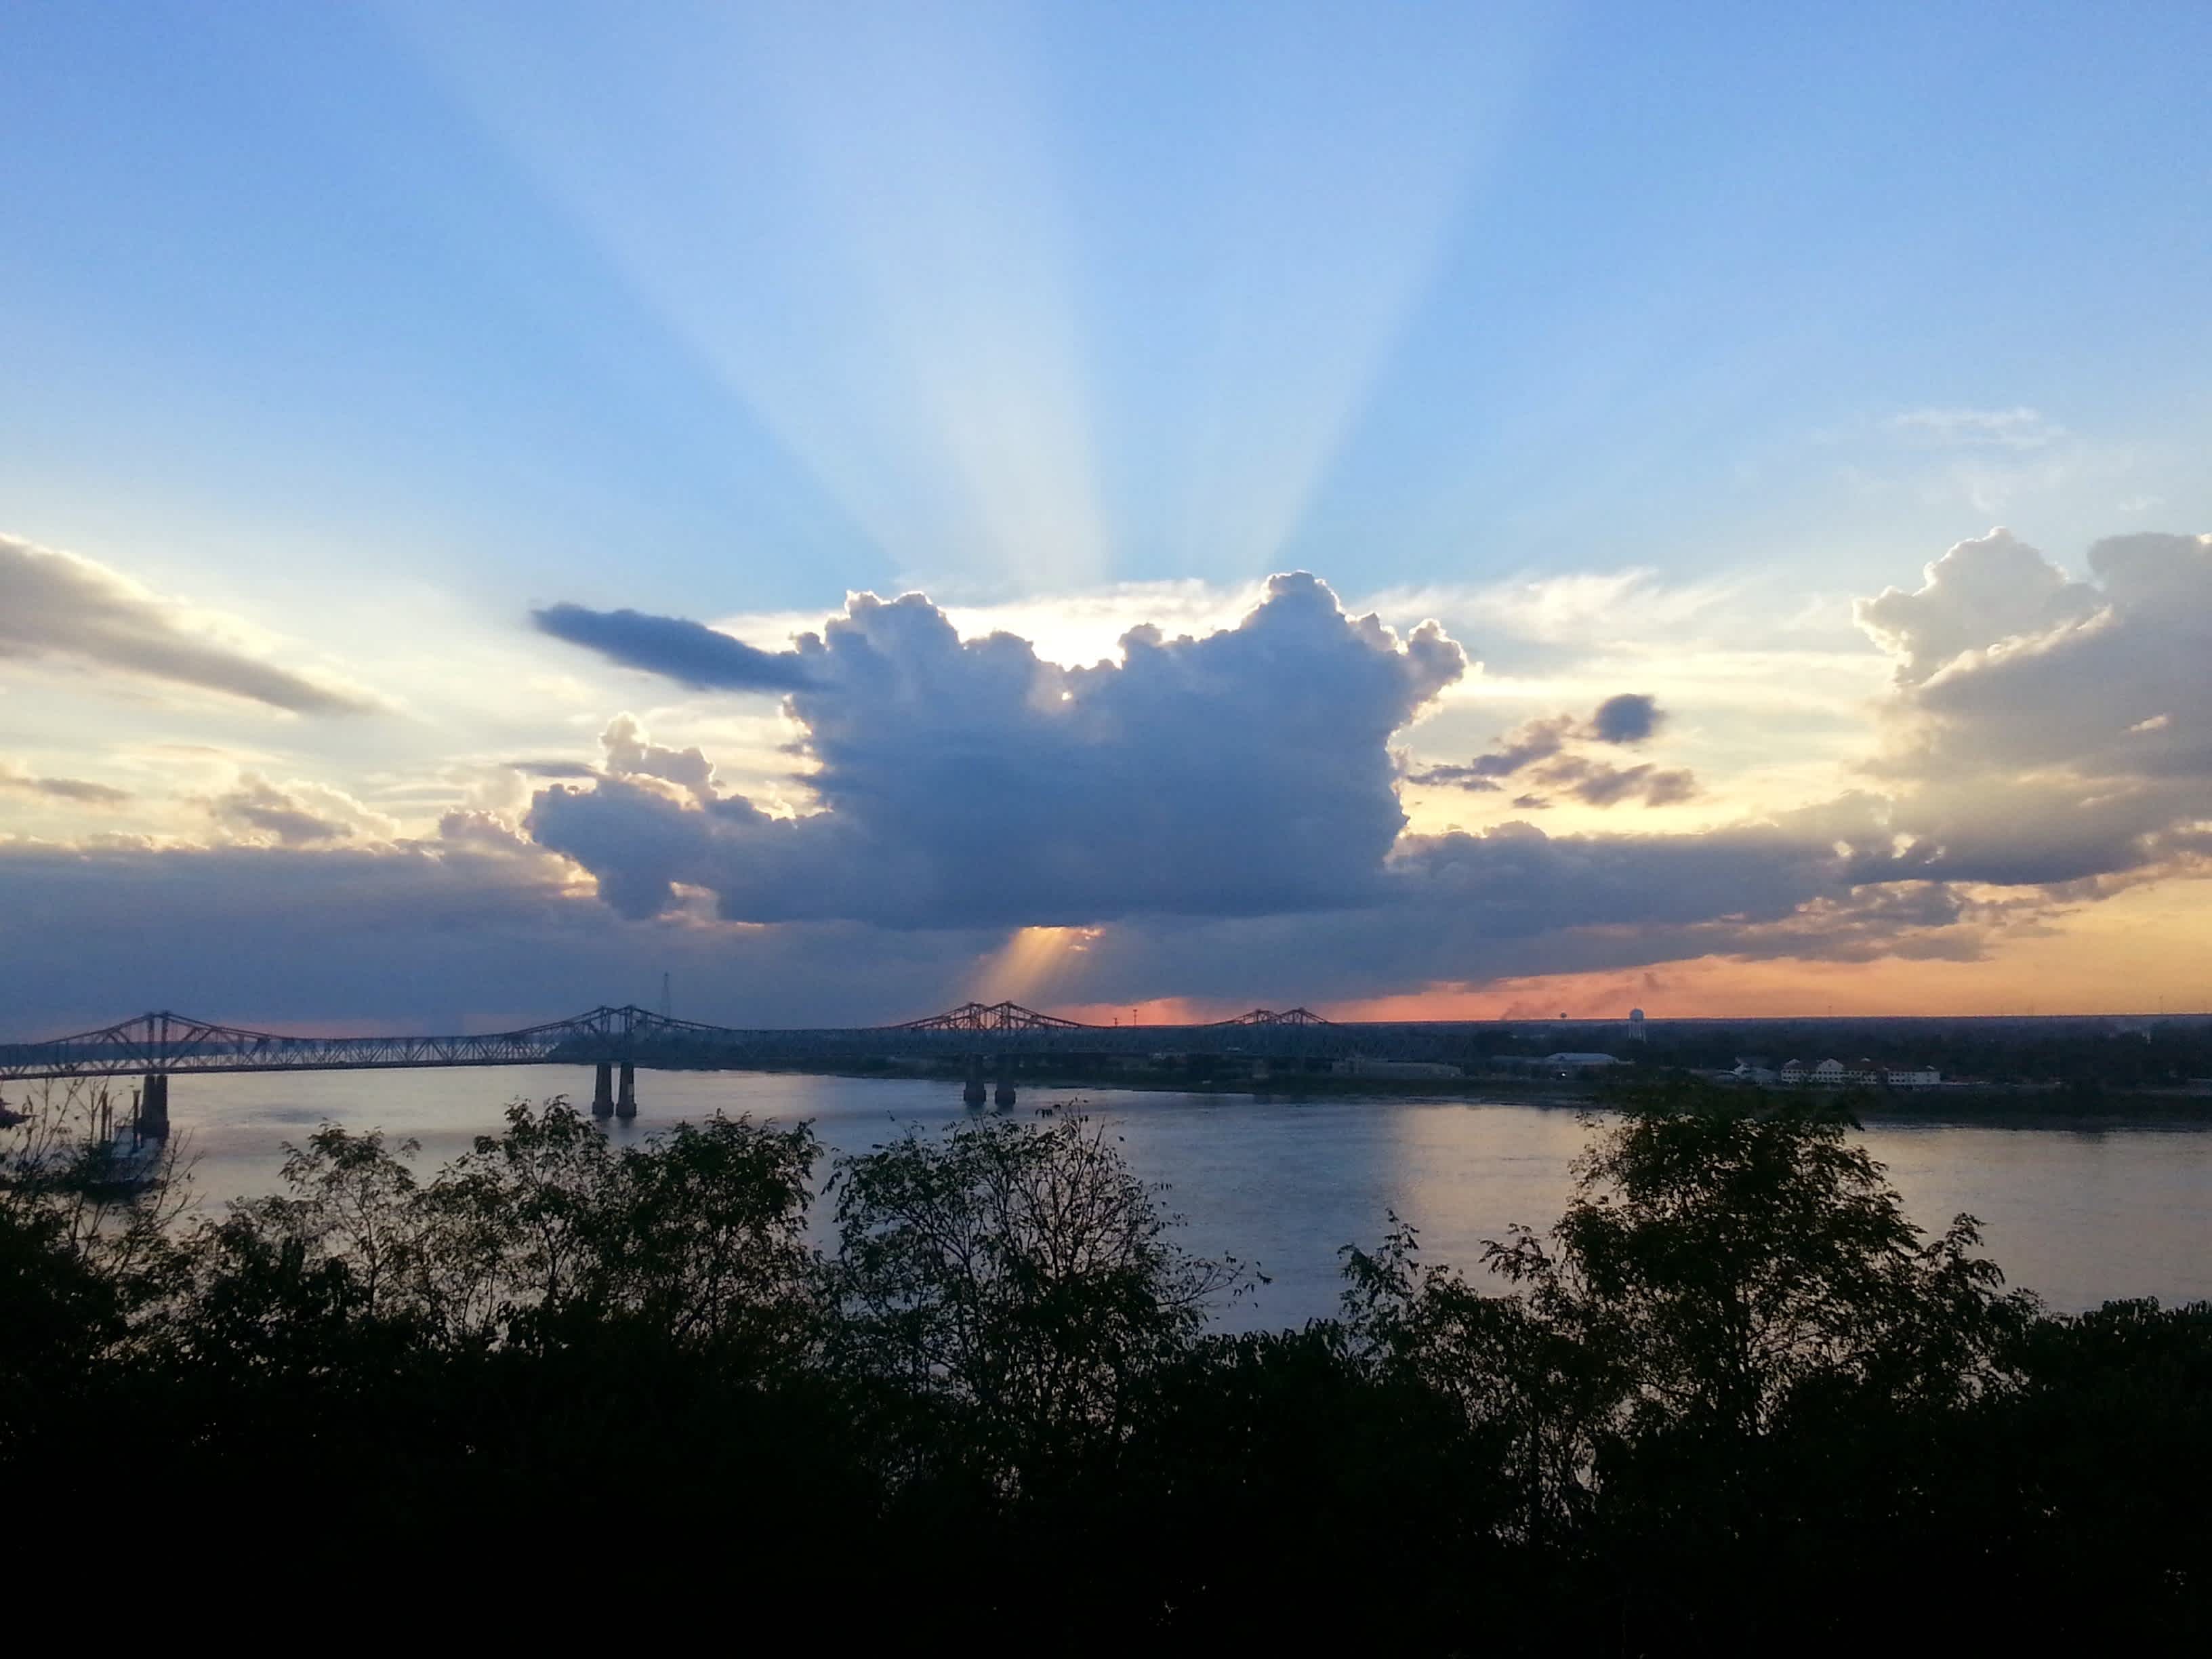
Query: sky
1148	510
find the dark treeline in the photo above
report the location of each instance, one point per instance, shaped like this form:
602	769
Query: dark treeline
2085	1056
1732	1398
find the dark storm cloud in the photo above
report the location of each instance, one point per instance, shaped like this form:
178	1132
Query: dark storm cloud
1467	909
481	932
57	605
968	783
674	647
414	938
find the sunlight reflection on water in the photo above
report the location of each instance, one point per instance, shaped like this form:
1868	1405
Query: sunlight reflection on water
2076	1215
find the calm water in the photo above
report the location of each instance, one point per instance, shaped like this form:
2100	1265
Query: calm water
2078	1216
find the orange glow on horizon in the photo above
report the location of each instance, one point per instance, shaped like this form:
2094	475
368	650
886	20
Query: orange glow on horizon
2162	931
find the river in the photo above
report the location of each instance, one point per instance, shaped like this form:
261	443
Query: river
2076	1215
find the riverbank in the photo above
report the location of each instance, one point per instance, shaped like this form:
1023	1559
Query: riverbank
2027	1104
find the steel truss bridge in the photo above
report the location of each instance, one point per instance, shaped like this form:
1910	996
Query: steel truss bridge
168	1045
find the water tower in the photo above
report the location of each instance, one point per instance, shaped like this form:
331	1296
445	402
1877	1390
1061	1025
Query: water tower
1636	1032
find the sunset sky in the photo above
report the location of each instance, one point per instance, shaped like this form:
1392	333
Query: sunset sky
1417	511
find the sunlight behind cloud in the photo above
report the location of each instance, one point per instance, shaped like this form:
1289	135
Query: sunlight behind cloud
1009	358
853	224
1025	966
1272	265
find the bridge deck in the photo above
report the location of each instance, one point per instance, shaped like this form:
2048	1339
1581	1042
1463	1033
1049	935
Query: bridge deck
168	1043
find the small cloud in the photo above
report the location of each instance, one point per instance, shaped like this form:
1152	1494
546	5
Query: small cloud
1599	783
1455	777
674	647
1632	717
77	790
2019	427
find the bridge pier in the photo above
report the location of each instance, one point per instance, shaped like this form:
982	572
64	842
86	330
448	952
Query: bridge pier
603	1090
626	1102
1004	1094
974	1094
153	1120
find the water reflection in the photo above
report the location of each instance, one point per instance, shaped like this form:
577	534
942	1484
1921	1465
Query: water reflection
2078	1217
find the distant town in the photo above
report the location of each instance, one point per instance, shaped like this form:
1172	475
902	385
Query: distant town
2076	1064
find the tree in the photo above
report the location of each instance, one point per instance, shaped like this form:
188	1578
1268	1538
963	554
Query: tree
1720	1259
85	1259
1019	1275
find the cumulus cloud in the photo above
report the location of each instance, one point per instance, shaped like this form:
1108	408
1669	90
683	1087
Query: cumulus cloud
2051	730
1220	814
674	647
57	605
1980	593
631	754
970	781
474	827
76	791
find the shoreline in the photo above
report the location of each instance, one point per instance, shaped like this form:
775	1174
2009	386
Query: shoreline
2024	1105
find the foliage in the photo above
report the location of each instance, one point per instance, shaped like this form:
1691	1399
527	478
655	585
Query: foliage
1018	1275
1730	1385
82	1259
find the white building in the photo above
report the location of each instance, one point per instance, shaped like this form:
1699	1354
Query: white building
1865	1074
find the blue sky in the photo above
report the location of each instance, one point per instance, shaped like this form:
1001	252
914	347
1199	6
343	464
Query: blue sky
367	330
677	306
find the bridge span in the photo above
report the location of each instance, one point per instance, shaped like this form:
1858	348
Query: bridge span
616	1041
